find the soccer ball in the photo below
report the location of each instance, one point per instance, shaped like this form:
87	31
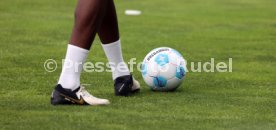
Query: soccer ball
163	69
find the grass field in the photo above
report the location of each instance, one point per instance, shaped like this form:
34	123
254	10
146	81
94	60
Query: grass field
32	31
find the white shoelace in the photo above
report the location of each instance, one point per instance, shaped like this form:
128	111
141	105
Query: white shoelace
90	99
84	91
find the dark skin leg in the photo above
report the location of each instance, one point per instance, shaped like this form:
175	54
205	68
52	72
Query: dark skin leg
109	31
91	17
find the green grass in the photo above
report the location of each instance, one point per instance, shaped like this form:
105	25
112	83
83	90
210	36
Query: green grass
32	31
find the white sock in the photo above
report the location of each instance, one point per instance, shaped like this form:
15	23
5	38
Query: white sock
114	55
72	67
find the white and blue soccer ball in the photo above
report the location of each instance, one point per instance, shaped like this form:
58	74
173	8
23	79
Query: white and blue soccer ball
163	69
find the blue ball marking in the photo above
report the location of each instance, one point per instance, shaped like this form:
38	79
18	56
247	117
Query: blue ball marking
180	72
162	59
159	81
144	69
176	52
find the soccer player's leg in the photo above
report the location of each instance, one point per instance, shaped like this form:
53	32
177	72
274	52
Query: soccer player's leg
88	16
108	32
